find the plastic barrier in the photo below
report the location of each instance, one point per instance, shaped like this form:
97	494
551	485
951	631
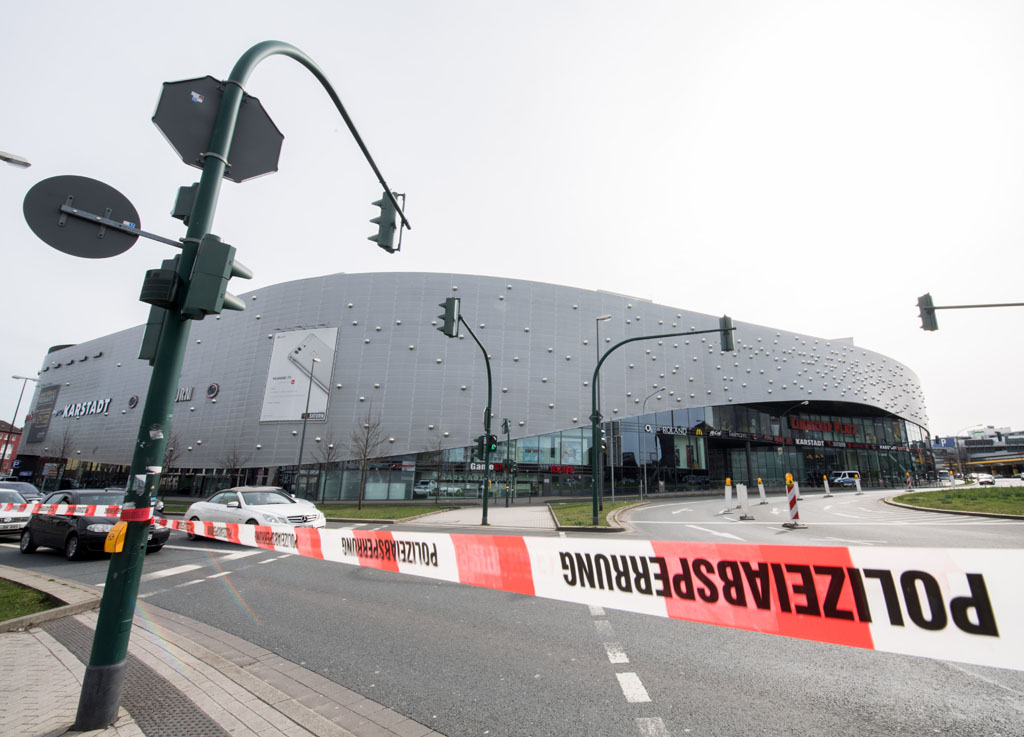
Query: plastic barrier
828	492
728	497
741	495
760	490
793	495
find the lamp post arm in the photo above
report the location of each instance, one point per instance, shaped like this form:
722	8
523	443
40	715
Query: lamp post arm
248	61
595	416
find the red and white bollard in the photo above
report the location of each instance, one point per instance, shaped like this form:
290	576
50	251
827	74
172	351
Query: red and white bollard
910	484
794	514
828	492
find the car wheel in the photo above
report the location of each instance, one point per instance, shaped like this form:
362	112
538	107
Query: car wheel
27	545
251	522
72	549
154	549
192	535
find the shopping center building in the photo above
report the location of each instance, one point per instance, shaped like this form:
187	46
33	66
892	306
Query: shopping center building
357	353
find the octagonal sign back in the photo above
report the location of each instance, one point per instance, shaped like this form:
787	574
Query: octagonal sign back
186	114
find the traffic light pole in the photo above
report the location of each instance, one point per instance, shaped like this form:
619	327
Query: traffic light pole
487	421
595	415
104	675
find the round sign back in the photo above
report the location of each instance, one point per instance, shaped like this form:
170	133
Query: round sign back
67	230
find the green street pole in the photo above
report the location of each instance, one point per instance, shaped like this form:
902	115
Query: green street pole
595	415
487	421
104	675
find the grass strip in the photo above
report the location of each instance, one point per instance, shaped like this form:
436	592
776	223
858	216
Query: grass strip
576	514
20	601
992	499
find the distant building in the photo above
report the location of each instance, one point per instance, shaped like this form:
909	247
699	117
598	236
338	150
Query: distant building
989	449
10	437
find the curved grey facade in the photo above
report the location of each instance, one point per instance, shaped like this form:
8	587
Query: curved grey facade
429	390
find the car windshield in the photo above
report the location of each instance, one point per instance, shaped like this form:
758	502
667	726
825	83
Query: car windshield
17	486
255	498
100	497
11	497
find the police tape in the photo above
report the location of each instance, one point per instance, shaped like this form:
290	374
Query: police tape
964	605
952	604
128	514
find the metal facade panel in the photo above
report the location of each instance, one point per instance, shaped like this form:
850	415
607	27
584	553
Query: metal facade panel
541	339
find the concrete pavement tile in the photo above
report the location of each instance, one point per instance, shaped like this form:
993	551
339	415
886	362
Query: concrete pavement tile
311	720
386	718
410	728
365	706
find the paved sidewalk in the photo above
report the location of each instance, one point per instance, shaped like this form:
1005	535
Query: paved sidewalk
519	515
188	679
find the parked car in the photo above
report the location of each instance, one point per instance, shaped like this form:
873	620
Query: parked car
986	479
12	523
429	488
255	505
27	490
78	536
843	478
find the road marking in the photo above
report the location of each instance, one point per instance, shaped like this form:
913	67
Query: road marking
241	554
603	626
218	575
596	611
189	583
712	532
616	654
632	688
652	727
169	572
685	509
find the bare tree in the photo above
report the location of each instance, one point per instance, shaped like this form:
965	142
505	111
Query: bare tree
435	458
233	460
62	450
365	444
327	452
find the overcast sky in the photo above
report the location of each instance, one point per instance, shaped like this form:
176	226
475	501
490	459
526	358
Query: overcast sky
812	166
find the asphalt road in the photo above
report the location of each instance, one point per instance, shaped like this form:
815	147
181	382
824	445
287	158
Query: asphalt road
845	518
472	662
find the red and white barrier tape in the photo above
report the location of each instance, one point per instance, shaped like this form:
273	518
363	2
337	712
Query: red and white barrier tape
129	514
964	605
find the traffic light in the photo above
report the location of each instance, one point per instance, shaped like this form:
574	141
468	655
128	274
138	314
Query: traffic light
927	308
725	325
492	443
386	224
207	288
450	318
478	451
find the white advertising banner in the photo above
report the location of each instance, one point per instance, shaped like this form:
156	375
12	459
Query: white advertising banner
301	365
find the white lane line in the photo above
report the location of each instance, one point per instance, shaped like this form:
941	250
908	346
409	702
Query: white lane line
267	560
218	575
241	554
632	688
596	611
616	655
169	572
603	626
189	583
712	532
652	727
685	509
282	557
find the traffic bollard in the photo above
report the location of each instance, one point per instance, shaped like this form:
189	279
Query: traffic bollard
728	497
828	492
760	490
741	494
794	513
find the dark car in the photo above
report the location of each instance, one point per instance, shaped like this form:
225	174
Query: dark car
27	490
76	535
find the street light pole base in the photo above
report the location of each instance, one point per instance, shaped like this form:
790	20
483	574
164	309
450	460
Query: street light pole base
794	525
101	696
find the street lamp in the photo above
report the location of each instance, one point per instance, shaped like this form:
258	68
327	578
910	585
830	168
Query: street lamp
643	452
7	438
597	348
14	160
305	416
